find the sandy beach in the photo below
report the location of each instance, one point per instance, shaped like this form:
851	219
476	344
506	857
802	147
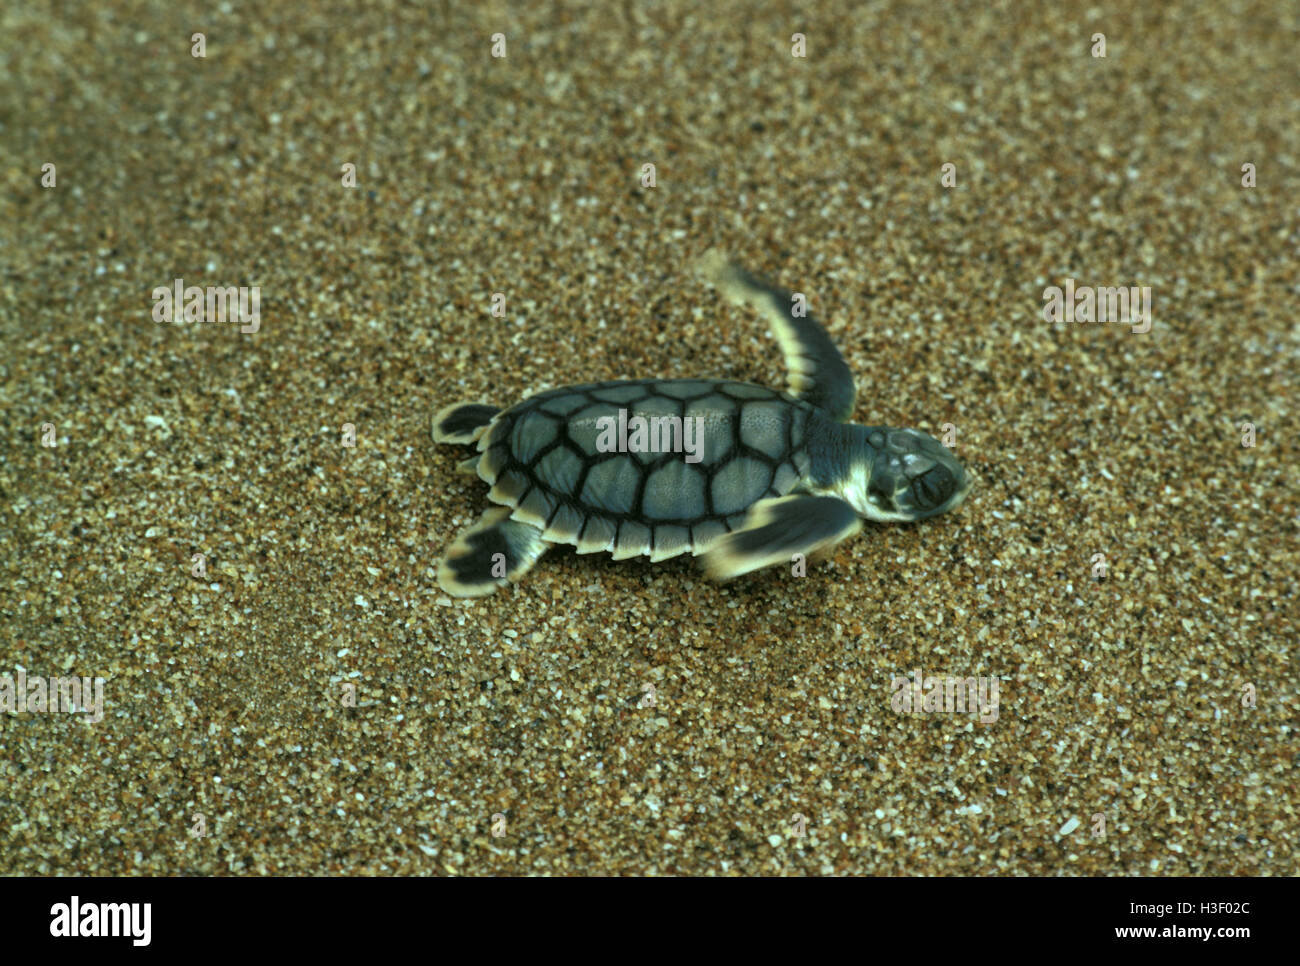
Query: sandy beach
233	522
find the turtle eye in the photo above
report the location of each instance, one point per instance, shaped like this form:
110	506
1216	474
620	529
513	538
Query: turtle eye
933	487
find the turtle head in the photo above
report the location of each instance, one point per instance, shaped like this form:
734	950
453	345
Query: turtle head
903	474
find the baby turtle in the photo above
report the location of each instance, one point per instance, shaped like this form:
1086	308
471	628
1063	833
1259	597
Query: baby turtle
744	475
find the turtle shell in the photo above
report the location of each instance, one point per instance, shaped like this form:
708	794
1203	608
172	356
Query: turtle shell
568	462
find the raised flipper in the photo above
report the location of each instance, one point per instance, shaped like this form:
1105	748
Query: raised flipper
491	553
816	372
462	423
776	529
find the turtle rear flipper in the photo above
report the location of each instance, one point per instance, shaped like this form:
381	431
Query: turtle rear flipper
816	372
462	423
776	529
489	554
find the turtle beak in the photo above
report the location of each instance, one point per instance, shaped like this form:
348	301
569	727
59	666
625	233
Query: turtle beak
964	484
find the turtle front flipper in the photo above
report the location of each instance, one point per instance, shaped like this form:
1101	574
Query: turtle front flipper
462	423
775	530
491	553
817	373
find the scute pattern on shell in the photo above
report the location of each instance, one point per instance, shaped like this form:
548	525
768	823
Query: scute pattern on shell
541	459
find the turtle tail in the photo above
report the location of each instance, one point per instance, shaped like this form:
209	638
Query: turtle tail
462	423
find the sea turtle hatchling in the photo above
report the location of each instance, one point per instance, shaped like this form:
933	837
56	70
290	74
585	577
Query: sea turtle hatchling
771	474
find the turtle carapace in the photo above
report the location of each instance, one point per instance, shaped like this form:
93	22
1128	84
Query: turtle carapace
771	474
